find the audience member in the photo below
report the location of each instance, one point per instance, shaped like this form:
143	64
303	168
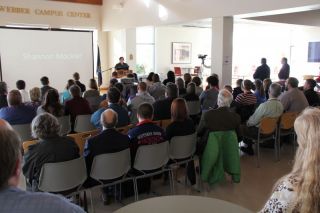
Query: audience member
209	97
51	104
133	92
293	100
263	71
13	199
162	107
191	93
311	95
197	81
247	97
266	85
93	95
187	79
21	86
66	95
76	77
3	94
108	141
114	98
157	90
259	91
220	119
17	112
272	109
50	148
170	78
142	97
237	90
228	87
45	86
284	72
34	98
149	79
181	88
77	105
114	74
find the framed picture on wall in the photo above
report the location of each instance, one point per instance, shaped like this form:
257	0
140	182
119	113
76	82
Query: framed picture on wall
181	52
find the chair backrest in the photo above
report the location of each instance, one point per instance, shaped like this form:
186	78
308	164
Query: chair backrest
287	120
26	145
24	130
150	157
268	125
65	123
125	129
62	176
158	123
177	70
110	166
194	107
181	147
81	138
83	124
165	123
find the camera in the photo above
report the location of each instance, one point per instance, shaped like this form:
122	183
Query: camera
200	56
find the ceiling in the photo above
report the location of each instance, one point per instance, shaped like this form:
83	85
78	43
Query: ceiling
95	2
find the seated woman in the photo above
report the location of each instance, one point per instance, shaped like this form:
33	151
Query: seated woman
51	104
191	93
197	81
50	148
181	125
259	92
92	95
181	88
298	191
66	93
35	95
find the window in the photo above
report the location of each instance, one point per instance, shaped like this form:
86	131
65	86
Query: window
145	50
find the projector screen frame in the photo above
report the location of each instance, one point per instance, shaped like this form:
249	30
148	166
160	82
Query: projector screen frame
51	29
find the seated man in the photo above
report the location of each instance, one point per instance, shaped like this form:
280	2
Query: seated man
77	105
208	98
51	147
220	119
114	98
21	86
311	95
293	100
13	199
271	108
45	86
162	108
108	141
17	112
142	97
146	132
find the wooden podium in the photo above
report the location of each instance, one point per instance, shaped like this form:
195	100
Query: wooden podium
123	73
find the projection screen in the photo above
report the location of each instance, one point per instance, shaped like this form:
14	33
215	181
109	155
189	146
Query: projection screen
30	54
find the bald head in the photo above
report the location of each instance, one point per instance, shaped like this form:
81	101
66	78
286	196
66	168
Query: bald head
109	119
14	98
5	125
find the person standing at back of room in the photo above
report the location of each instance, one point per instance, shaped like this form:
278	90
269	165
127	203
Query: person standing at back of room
285	70
263	71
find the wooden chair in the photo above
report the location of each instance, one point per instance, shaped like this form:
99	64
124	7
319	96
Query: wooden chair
81	138
26	145
286	127
125	129
165	123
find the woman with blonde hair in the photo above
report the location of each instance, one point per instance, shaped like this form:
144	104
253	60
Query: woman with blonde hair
299	191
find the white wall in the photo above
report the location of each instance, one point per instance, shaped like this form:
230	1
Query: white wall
199	37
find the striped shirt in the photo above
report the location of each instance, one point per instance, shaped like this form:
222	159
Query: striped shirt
246	99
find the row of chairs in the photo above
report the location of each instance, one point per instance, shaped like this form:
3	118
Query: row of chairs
64	176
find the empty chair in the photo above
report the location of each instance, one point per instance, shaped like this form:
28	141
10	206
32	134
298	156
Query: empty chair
150	157
24	130
65	123
286	127
63	176
83	124
194	107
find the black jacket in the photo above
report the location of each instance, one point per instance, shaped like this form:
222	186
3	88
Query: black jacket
284	72
312	97
81	85
262	72
162	109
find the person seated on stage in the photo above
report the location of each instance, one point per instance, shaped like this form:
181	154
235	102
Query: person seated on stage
191	93
66	95
108	141
45	86
209	97
51	147
121	65
34	98
146	132
17	112
157	89
114	98
51	104
311	95
77	105
197	81
293	100
237	90
13	199
76	78
142	97
181	88
187	79
21	86
220	119
259	92
3	94
271	108
170	78
162	108
298	191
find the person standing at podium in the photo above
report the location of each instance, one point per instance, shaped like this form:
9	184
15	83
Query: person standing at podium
121	65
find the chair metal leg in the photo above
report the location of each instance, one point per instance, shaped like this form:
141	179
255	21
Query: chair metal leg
171	180
136	192
258	152
91	201
294	143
